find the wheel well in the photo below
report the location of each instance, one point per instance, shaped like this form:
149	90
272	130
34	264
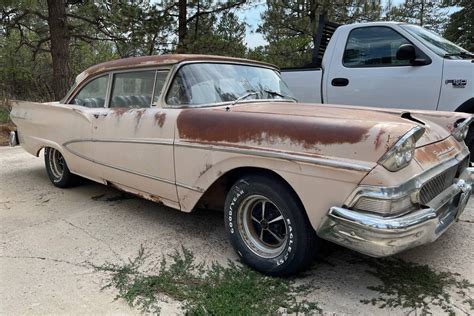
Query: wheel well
215	195
467	107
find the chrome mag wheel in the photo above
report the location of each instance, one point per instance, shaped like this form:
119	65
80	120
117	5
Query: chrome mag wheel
56	163
262	226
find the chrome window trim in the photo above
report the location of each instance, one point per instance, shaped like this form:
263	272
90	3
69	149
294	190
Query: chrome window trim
116	72
409	188
69	98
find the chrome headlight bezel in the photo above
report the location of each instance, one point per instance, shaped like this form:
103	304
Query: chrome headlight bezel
402	153
460	131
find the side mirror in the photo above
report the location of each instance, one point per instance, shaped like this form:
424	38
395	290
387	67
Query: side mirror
408	52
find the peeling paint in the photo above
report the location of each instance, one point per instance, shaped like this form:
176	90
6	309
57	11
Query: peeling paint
244	127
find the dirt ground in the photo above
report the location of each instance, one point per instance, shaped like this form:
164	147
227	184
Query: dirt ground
48	234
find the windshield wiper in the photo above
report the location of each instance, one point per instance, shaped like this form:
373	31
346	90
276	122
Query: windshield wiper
462	54
280	95
244	96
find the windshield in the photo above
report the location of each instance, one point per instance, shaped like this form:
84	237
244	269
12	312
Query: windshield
436	43
204	84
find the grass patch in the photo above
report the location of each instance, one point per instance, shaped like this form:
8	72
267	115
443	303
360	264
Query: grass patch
4	115
417	287
205	289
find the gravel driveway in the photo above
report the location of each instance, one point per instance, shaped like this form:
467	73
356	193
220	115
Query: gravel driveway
48	235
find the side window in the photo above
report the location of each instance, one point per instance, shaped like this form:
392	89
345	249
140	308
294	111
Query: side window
92	95
373	47
160	82
132	89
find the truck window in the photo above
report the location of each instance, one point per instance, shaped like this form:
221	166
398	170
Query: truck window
374	46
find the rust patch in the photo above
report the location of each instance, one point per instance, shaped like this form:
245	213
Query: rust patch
242	127
160	118
206	168
378	138
120	111
437	152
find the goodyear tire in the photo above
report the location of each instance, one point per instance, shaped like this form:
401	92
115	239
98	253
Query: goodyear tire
57	169
268	226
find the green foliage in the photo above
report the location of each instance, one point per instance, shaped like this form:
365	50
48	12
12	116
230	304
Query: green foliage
460	28
416	287
4	115
204	290
431	14
290	27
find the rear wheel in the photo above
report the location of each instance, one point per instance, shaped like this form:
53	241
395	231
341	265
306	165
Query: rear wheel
57	169
268	226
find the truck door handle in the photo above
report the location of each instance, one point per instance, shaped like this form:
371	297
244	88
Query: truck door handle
340	82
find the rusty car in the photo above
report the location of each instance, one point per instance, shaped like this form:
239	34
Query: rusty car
198	131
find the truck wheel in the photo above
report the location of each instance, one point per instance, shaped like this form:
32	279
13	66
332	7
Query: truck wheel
57	169
470	141
268	226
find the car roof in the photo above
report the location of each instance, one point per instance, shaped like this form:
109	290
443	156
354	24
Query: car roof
159	60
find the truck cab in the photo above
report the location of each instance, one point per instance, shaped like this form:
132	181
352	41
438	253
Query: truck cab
389	64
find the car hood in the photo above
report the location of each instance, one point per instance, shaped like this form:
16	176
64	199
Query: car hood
438	125
349	133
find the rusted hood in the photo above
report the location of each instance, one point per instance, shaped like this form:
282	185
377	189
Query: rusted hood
353	133
438	125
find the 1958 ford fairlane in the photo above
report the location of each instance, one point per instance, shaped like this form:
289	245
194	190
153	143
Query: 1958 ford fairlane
193	131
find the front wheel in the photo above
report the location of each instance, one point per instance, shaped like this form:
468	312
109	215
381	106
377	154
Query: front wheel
268	226
57	169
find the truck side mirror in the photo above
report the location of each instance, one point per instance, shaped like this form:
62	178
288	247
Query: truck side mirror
406	52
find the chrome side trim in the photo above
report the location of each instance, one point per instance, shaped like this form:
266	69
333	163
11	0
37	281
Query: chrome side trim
200	190
279	155
154	141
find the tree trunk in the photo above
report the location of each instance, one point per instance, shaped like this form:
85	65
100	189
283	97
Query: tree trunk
59	47
182	26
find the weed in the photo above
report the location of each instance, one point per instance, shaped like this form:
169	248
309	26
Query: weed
413	286
4	115
205	289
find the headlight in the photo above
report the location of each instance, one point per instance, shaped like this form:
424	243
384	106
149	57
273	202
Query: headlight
400	155
461	129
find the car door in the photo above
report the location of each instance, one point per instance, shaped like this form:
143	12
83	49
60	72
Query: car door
133	138
367	72
78	125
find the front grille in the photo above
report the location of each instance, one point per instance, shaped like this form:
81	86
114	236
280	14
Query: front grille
431	188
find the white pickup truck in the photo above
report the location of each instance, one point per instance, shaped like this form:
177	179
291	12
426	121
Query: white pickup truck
386	64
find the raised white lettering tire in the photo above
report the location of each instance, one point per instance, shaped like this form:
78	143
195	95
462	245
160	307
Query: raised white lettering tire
268	226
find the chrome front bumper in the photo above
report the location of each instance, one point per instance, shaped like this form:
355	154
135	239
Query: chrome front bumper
13	139
380	236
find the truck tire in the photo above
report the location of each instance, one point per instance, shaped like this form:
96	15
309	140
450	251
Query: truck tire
57	169
268	226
